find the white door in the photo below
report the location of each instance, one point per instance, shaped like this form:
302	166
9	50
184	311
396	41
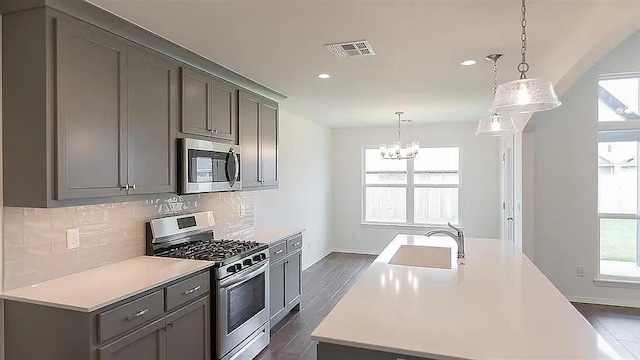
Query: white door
508	203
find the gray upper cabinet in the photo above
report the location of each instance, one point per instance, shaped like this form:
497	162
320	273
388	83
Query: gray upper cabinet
89	72
269	142
152	82
258	119
249	113
209	106
148	343
188	332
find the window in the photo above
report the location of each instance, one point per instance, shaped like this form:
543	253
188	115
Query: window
422	191
618	176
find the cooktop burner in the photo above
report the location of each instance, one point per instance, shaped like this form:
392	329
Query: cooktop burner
212	250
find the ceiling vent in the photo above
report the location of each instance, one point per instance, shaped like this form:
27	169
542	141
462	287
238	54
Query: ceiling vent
352	48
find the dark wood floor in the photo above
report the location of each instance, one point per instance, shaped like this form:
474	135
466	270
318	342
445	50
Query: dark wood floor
326	282
620	327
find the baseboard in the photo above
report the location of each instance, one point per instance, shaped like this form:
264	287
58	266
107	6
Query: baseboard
608	302
318	259
353	251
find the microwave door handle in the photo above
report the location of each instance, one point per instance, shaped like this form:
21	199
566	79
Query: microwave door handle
244	277
236	159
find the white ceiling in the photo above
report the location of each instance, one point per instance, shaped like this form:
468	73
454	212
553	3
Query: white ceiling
418	45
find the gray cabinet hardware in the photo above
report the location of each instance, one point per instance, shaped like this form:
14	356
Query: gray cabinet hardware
138	314
296	244
190	291
133	187
279	252
126	187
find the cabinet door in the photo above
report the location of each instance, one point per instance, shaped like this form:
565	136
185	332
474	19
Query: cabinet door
188	334
89	115
151	104
277	300
224	110
249	117
269	142
196	102
148	343
294	282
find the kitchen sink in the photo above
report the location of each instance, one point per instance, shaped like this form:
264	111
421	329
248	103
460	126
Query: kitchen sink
423	256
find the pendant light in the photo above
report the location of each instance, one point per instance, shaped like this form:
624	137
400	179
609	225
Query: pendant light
395	150
496	124
525	95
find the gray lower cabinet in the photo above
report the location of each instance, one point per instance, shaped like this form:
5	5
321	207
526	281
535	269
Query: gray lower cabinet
326	351
147	343
188	332
143	327
285	277
209	106
259	122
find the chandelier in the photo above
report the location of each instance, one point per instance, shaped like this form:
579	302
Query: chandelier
525	95
496	124
395	150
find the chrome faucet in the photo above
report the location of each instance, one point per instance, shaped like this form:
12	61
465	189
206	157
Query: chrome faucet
458	237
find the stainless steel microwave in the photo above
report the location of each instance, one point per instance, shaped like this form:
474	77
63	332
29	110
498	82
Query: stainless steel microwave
207	166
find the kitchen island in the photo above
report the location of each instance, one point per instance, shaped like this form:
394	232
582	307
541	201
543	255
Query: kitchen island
497	305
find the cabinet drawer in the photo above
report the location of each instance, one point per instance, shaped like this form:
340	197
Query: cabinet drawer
130	315
294	244
277	252
187	290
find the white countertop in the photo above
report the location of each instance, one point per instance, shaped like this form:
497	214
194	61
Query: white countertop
496	306
271	235
90	290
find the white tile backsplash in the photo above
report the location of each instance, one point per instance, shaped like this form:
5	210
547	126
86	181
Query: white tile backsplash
35	239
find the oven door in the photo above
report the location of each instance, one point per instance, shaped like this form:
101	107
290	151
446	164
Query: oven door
242	306
208	167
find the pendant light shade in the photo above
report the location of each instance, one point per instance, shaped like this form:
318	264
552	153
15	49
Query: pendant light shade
525	96
496	125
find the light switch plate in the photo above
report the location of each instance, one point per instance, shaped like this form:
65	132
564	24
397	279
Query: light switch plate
73	238
580	271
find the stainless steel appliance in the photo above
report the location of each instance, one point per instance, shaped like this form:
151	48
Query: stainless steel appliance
207	166
240	278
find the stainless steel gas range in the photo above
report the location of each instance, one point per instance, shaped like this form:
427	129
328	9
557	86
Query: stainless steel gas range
240	278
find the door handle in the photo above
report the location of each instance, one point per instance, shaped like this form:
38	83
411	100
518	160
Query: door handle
133	187
126	187
190	291
138	314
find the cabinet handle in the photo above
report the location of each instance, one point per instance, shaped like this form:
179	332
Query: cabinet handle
190	291
133	187
215	131
138	314
279	251
126	187
296	244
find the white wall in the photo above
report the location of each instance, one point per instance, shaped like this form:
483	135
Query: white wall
303	199
480	159
565	187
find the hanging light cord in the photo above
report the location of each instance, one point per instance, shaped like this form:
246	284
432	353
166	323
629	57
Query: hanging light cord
495	76
523	67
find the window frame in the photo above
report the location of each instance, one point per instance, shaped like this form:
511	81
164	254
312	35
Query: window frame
410	187
606	126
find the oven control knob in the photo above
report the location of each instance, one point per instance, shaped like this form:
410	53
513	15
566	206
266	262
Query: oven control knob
234	268
257	258
247	262
263	256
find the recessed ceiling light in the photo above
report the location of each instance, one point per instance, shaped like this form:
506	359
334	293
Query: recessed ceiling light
468	63
324	76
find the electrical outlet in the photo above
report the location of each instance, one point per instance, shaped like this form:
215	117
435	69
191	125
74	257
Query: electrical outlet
73	238
243	210
580	271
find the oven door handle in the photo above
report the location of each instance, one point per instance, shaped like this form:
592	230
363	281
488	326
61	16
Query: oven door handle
240	278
